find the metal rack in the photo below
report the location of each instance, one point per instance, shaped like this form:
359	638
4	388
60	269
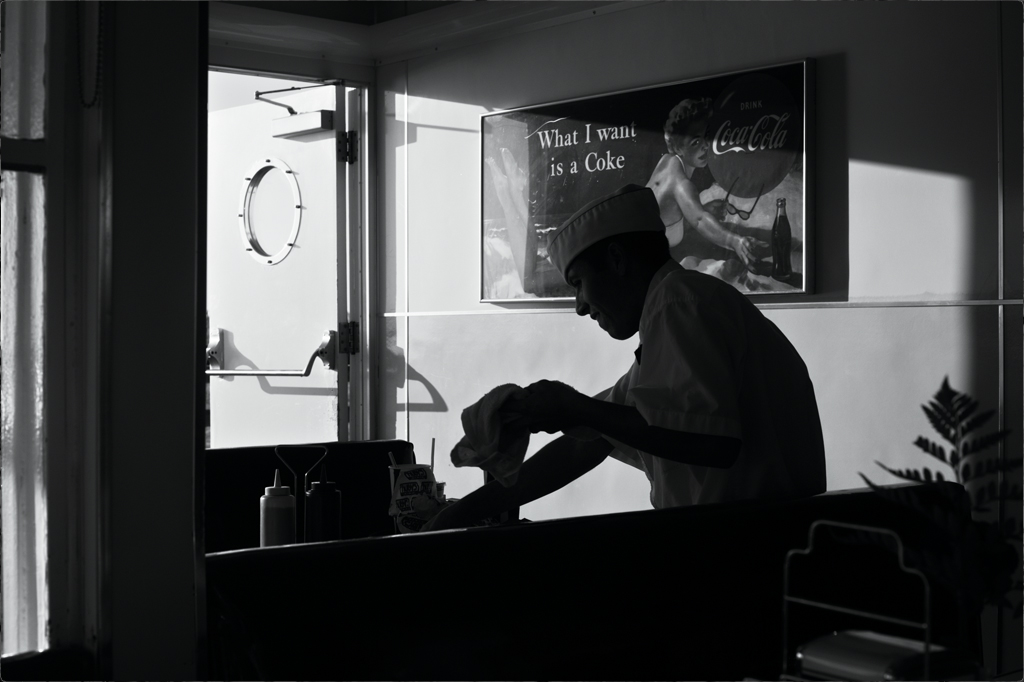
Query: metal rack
787	598
300	498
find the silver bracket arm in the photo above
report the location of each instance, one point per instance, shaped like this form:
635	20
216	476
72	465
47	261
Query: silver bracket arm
327	352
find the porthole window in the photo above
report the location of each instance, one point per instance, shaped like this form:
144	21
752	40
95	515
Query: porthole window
270	210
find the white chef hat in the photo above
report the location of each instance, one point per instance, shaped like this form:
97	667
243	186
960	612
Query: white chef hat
631	208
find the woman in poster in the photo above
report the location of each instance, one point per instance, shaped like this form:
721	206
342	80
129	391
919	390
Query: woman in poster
682	174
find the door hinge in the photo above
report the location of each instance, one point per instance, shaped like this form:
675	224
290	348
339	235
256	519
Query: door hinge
348	338
348	145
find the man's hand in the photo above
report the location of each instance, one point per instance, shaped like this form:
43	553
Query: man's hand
444	519
555	465
548	406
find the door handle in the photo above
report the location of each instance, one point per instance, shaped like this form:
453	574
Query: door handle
326	351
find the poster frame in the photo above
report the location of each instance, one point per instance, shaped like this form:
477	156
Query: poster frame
808	154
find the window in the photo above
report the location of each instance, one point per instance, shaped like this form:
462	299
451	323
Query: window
23	338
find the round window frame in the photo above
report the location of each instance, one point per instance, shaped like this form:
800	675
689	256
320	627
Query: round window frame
252	180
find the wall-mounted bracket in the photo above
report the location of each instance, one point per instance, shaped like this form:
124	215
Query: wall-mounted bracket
302	124
261	98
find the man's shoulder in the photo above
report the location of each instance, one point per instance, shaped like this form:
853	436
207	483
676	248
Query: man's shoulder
683	293
690	285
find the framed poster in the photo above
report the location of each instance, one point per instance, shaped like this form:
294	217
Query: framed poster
727	157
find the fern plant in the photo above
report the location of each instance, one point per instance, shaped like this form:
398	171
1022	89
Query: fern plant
975	558
954	415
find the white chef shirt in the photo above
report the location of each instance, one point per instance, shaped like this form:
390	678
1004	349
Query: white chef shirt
711	363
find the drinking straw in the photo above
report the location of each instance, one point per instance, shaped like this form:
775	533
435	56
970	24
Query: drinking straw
392	457
431	454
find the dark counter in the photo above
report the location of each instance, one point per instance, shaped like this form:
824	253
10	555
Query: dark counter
688	593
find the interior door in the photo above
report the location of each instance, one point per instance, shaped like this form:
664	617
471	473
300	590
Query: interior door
276	271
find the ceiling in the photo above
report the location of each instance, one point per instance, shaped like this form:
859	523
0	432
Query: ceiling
365	12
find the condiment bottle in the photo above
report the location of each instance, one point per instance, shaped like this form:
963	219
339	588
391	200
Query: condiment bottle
323	510
277	514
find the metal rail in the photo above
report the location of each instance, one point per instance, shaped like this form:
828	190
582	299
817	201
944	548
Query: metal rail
326	351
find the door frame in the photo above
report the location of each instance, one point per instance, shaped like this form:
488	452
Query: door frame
359	233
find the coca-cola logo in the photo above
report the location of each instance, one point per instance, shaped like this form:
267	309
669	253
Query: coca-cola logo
756	133
768	133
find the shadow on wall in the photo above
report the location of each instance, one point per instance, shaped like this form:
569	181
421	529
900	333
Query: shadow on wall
436	404
830	210
243	362
393	399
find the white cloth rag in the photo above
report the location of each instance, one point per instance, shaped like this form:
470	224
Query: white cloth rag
494	442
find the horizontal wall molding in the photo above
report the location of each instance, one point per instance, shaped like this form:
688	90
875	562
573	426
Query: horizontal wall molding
890	304
762	306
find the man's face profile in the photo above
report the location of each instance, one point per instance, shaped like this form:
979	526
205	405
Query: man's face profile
602	295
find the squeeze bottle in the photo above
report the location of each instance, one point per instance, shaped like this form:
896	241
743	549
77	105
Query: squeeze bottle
277	514
323	510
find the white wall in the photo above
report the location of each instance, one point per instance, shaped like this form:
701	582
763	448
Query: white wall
907	255
909	251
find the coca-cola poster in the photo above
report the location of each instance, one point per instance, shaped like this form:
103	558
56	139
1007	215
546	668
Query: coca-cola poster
726	156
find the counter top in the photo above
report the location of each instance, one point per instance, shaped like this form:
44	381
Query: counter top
686	593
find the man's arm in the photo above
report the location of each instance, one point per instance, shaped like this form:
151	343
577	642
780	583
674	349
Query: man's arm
557	464
553	406
625	424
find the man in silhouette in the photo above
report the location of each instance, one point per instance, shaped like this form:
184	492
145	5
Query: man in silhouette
717	405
